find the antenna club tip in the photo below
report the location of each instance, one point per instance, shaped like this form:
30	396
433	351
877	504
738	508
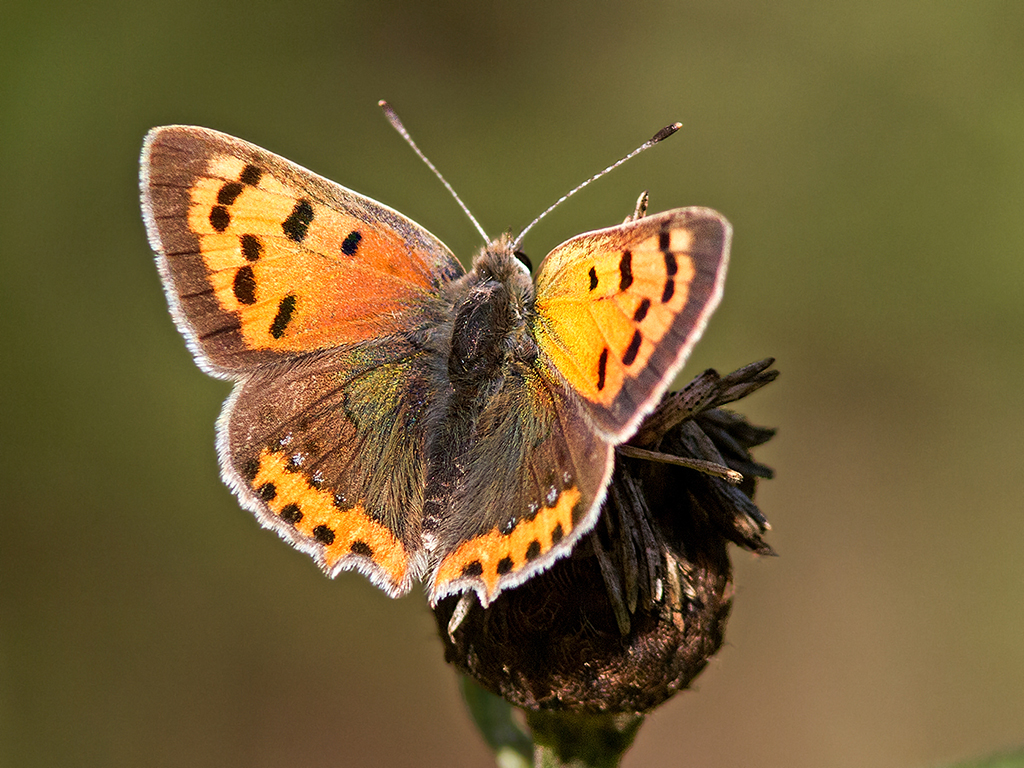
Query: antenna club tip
392	117
665	132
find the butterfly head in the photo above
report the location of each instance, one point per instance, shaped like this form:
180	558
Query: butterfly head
500	262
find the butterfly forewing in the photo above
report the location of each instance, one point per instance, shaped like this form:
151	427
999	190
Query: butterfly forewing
618	310
262	258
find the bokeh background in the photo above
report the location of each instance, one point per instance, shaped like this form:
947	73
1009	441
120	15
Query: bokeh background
870	155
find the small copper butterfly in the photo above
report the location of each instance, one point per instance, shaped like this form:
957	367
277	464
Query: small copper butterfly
393	413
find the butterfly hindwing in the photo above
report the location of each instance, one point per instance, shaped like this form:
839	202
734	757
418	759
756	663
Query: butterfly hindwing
618	310
534	477
329	452
263	259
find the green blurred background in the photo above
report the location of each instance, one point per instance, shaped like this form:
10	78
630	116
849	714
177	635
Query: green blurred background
871	158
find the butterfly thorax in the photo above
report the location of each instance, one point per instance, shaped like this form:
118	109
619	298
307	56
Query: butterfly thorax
493	304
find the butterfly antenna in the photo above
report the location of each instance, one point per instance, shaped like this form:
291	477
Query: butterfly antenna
664	133
392	117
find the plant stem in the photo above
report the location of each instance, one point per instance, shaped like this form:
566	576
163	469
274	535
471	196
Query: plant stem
572	740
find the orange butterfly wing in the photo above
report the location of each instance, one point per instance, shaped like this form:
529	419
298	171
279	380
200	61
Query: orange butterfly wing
263	258
618	310
328	452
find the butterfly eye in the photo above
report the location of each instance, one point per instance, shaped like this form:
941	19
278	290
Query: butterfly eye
525	261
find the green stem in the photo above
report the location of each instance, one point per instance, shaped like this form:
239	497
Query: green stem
571	740
495	719
560	739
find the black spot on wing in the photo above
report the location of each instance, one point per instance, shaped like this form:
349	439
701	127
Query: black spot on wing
250	175
671	265
323	534
641	310
284	316
291	513
229	193
360	547
631	351
557	533
252	248
296	226
350	244
625	270
533	551
602	368
593	278
219	218
244	285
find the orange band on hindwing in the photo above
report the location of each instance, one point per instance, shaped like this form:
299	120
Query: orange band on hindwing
496	554
316	515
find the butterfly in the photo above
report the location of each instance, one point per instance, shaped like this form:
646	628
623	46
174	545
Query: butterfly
393	413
